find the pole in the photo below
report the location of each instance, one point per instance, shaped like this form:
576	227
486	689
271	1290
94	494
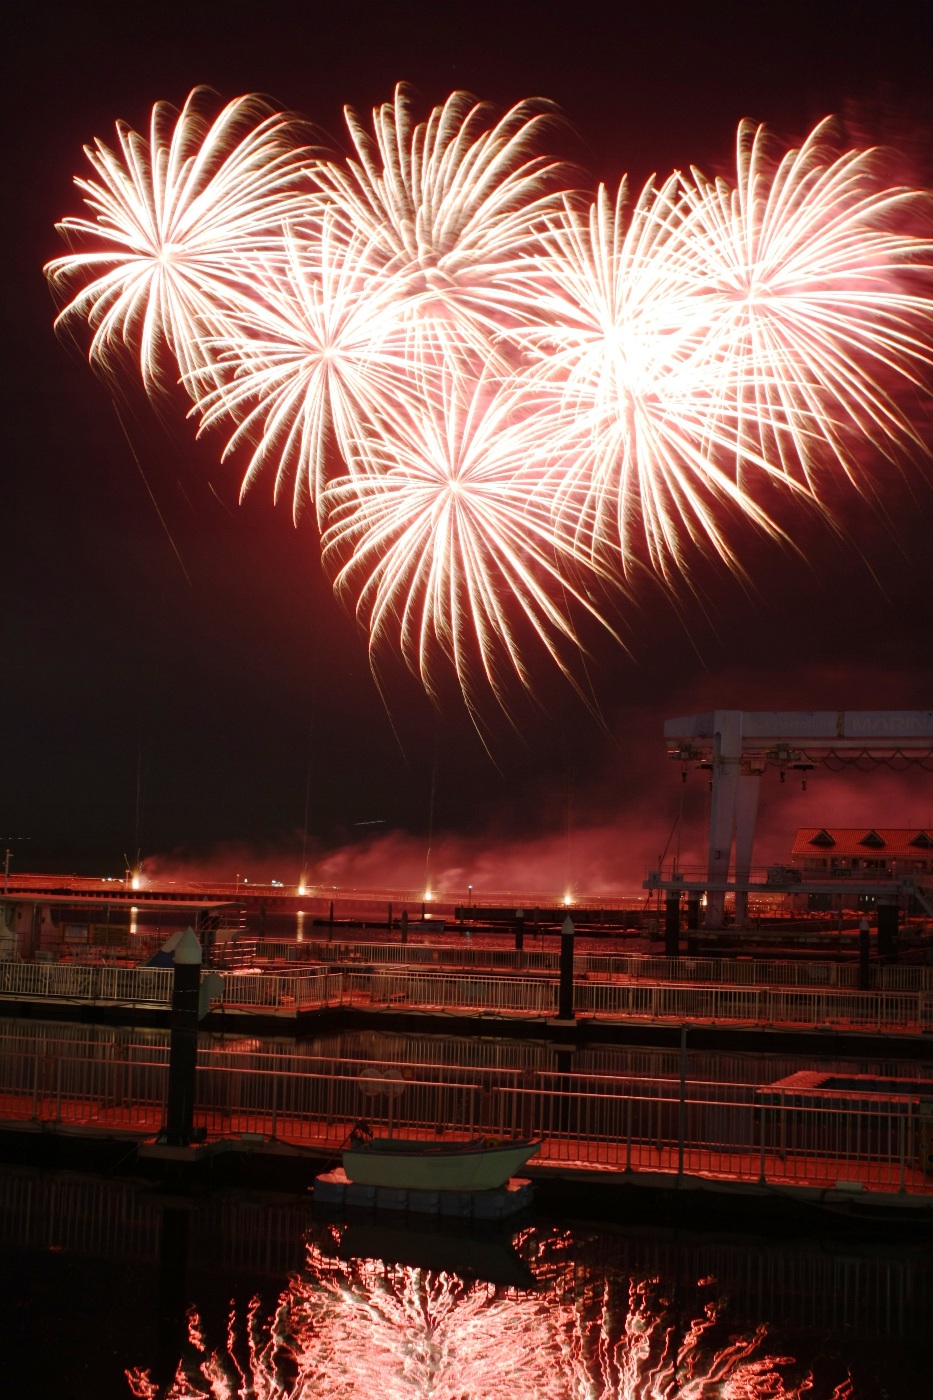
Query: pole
403	924
6	869
565	998
183	1050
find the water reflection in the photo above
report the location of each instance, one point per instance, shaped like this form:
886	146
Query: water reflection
373	1328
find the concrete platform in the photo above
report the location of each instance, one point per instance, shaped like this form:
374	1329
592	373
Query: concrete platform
335	1189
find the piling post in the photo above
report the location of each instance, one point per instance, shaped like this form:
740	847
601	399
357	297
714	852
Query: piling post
682	1107
565	998
693	913
887	932
519	931
403	925
672	924
389	919
864	965
183	1050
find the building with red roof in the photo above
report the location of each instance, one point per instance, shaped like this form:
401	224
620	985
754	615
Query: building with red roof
821	852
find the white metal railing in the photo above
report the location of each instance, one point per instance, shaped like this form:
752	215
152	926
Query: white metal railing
525	995
137	986
665	1127
269	991
440	991
759	1006
152	986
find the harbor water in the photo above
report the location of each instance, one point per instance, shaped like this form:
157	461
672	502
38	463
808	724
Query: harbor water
111	1289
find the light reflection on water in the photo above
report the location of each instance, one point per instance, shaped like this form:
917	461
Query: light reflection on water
369	1329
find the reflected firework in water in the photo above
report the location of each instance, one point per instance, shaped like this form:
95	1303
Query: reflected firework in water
367	1328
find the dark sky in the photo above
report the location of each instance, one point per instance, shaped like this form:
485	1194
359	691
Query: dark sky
220	674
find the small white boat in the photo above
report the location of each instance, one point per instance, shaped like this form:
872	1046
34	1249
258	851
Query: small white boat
483	1164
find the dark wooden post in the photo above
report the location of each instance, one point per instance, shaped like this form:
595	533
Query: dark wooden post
672	923
403	923
183	1049
864	950
887	932
565	998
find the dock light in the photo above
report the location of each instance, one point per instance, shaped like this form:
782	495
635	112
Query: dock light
428	896
568	899
302	891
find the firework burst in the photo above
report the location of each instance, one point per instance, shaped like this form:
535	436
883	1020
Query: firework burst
311	357
453	202
613	366
504	397
815	295
179	218
441	540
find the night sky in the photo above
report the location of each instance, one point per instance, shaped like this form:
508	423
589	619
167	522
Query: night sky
153	626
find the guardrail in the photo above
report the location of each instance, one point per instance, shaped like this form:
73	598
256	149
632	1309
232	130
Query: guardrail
758	1006
438	991
134	986
270	992
634	966
722	1132
93	984
517	995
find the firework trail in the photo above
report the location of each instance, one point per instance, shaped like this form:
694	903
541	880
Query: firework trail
347	1329
504	397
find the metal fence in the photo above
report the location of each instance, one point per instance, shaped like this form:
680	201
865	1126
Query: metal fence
665	1127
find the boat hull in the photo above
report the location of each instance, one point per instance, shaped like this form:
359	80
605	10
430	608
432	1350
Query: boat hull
414	1167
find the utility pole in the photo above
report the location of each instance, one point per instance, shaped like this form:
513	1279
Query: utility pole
6	869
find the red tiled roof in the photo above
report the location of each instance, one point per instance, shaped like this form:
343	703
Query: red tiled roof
850	841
